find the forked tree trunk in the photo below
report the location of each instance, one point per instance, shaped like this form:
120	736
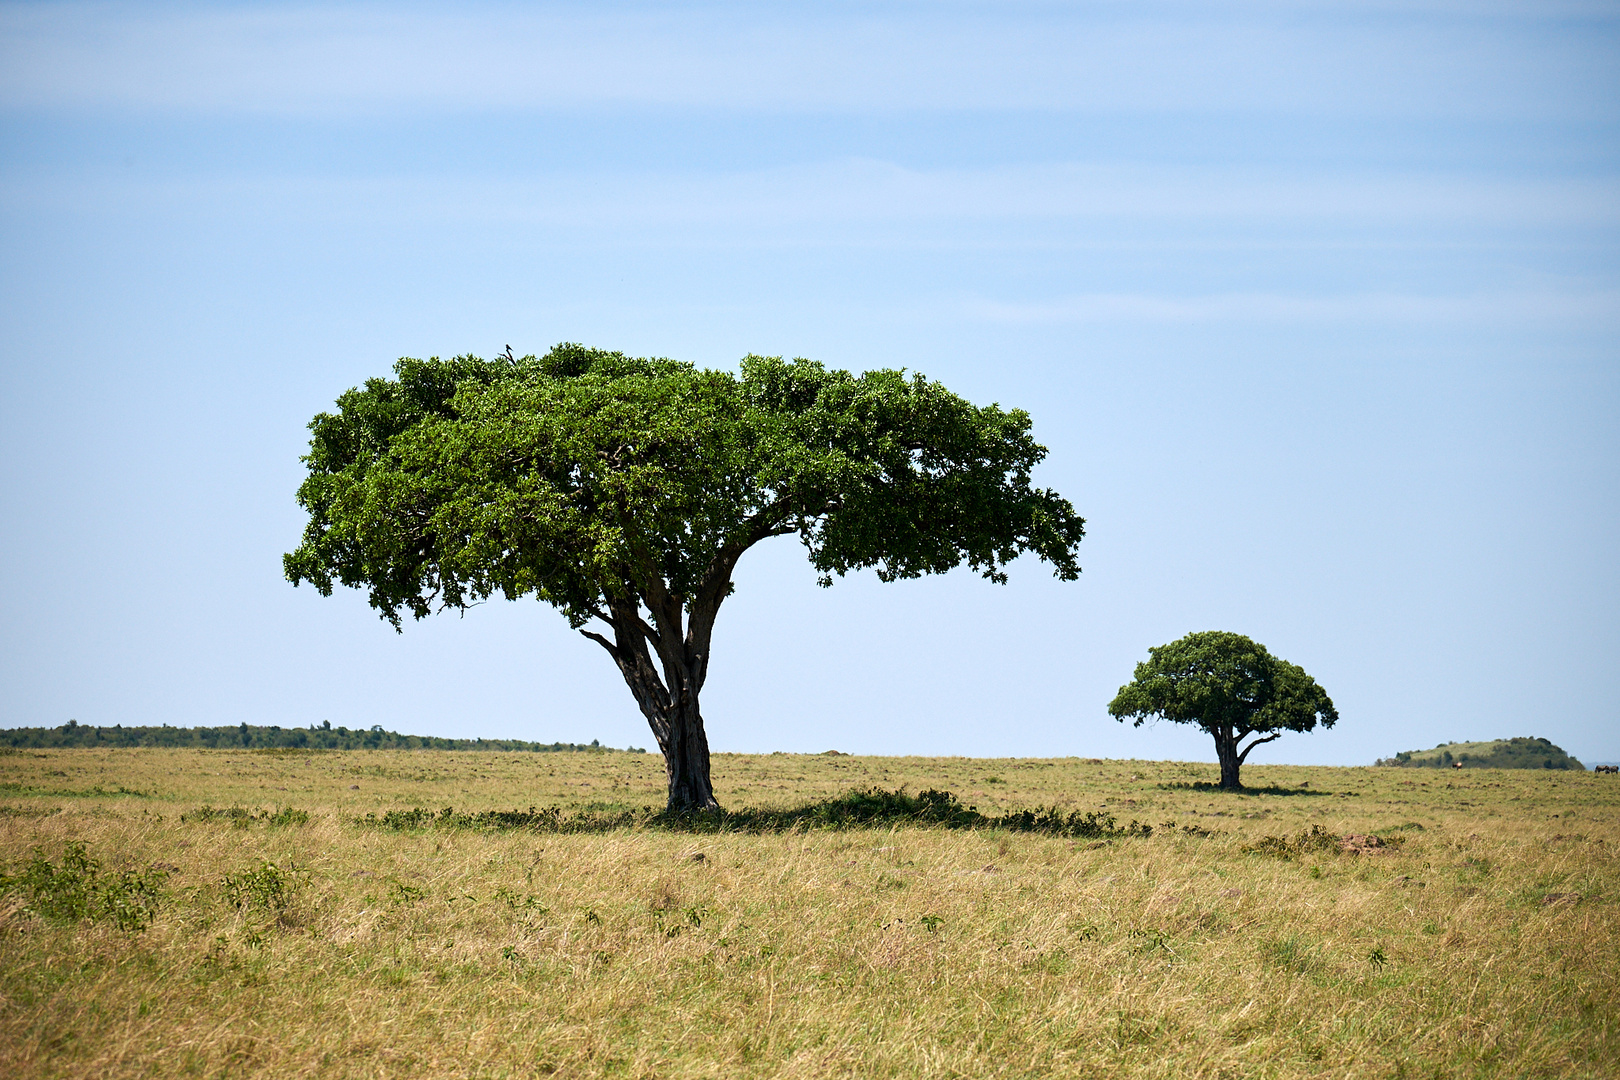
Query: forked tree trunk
1230	752
669	701
665	661
677	725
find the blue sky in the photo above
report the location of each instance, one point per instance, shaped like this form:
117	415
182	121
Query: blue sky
1315	305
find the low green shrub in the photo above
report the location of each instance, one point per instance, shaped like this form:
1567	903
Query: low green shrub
79	888
265	887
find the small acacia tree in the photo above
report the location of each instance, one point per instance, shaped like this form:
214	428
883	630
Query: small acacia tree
622	491
1229	686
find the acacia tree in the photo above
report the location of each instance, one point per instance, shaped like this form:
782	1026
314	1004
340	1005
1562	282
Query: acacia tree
622	491
1231	687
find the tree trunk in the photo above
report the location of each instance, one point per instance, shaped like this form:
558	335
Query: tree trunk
686	760
670	704
1226	752
677	725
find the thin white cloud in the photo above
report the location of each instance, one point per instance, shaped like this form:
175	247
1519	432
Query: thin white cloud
349	58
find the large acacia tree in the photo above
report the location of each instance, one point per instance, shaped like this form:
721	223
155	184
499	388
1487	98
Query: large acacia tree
622	491
1232	688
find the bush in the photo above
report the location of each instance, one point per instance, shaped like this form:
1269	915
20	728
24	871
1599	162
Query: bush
80	888
266	887
1319	840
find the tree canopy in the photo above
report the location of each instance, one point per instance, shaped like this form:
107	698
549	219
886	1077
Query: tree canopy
1231	687
623	490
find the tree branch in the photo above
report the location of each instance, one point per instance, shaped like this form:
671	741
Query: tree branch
613	650
1244	756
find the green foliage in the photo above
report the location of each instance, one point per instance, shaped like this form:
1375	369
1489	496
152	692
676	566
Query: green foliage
266	888
79	887
1219	680
584	474
1313	839
96	791
270	738
1517	753
624	490
526	903
1317	840
1292	954
401	894
671	920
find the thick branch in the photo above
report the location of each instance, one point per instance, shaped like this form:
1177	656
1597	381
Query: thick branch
1244	756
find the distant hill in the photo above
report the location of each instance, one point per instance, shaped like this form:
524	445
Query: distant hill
248	737
1524	753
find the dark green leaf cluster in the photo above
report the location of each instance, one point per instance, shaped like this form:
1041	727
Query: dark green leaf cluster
1221	681
582	476
266	887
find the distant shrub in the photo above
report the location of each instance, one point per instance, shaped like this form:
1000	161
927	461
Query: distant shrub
1518	753
272	738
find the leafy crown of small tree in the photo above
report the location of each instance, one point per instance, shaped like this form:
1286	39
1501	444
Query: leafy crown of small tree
585	472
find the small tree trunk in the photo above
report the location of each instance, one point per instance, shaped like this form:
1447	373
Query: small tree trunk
1227	754
686	759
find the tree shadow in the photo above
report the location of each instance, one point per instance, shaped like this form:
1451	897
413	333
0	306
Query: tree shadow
1271	789
873	807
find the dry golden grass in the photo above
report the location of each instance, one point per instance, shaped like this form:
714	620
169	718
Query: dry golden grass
906	951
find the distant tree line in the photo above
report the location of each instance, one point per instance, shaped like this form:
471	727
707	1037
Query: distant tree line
1520	753
247	736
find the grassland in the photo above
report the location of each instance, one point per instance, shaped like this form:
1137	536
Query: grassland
292	938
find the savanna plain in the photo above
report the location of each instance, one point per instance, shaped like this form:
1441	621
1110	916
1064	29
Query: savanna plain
275	914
